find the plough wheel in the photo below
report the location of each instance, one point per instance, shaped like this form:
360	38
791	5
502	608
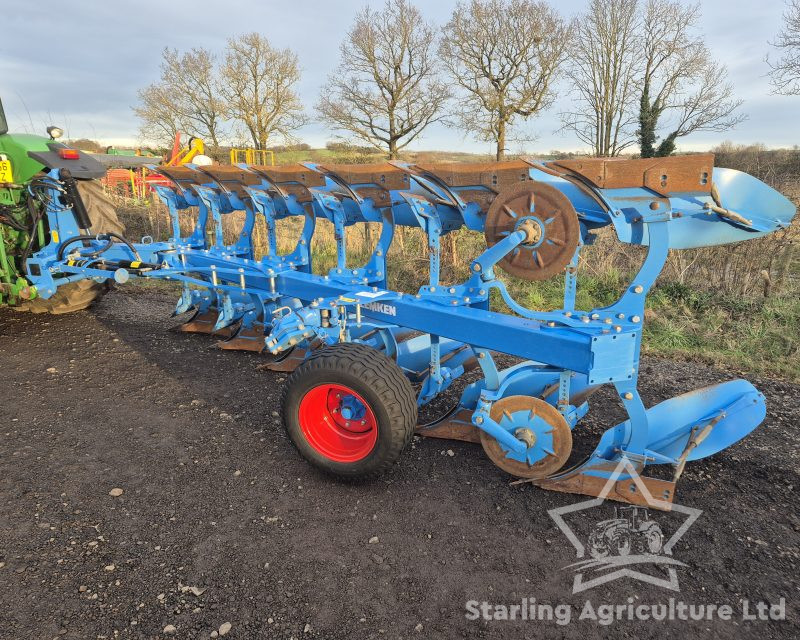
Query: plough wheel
557	229
349	410
548	433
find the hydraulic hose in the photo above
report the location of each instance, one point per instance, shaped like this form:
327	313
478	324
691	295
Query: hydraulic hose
100	236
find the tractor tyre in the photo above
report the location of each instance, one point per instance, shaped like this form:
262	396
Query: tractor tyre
349	410
650	539
79	295
599	547
621	543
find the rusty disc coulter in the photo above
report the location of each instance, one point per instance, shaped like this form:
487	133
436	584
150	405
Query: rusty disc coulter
540	426
551	222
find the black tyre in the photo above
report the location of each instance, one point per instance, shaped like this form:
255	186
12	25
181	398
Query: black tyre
621	543
349	410
79	295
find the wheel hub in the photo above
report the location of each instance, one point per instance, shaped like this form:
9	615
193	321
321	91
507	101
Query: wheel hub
348	411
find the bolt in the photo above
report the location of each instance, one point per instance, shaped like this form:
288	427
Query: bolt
476	267
479	420
635	318
628	395
617	328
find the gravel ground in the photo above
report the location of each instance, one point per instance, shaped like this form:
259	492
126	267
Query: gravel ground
222	529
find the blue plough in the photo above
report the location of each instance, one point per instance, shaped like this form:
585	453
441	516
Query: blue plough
365	357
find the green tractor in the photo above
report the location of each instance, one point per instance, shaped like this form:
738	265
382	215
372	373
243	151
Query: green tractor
24	159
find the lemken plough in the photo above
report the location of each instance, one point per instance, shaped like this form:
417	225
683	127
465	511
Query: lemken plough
364	357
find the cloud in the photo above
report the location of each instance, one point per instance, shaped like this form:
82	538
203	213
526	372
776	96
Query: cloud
81	66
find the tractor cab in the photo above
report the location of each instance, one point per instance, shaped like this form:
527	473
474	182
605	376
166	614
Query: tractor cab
633	514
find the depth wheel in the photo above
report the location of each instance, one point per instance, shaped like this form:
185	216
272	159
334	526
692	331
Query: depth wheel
349	410
547	433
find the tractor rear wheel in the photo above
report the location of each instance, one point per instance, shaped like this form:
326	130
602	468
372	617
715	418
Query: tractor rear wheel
79	295
349	410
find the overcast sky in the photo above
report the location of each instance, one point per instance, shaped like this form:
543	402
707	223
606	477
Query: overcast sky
79	64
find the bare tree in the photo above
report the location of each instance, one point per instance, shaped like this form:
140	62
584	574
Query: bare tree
710	106
628	55
158	113
186	98
505	56
681	83
386	90
785	71
193	79
258	83
604	70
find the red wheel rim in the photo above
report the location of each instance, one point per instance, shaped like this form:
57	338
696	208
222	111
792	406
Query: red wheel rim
338	423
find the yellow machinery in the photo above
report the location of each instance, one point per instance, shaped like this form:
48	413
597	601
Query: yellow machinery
252	156
185	155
